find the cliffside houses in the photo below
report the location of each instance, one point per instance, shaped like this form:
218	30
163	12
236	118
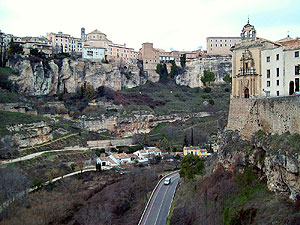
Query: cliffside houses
113	160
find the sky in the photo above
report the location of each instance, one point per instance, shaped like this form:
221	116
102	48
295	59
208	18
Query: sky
169	24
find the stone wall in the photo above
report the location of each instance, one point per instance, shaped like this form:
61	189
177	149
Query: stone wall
272	115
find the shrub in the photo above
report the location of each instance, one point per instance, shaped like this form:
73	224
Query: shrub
73	166
37	182
211	101
207	89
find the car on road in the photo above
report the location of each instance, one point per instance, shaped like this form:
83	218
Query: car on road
167	181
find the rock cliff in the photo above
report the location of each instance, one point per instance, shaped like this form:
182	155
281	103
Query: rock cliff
139	122
220	65
24	135
36	77
275	157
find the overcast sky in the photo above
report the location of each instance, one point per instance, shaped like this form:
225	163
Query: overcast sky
169	24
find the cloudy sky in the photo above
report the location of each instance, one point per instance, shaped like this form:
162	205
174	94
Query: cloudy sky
169	24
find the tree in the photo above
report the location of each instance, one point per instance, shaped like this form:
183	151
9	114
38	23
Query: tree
174	69
15	48
208	77
89	91
227	79
162	70
185	141
192	137
191	165
183	60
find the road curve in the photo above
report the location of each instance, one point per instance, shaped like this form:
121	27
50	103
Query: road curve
159	207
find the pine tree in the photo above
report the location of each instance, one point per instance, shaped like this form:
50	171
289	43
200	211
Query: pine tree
192	137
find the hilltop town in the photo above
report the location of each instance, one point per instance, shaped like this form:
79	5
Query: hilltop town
92	131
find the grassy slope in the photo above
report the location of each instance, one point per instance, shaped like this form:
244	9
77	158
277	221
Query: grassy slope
12	118
181	99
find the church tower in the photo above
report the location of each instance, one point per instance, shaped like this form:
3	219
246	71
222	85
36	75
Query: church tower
246	66
82	34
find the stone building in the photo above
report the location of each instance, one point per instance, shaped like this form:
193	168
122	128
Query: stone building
64	43
97	46
94	46
246	64
152	56
40	43
221	45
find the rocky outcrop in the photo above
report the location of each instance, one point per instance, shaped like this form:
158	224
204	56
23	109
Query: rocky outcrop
220	65
280	167
24	135
139	122
36	77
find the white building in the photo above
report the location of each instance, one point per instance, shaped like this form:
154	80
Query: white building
280	68
95	45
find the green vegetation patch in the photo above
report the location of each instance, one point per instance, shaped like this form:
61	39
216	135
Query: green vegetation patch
12	118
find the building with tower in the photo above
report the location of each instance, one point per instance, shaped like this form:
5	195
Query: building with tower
246	64
262	68
98	47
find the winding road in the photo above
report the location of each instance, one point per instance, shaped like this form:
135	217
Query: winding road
158	209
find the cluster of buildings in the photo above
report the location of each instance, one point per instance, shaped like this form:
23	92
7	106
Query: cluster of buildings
94	45
262	68
140	156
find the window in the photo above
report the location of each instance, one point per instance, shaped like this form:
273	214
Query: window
225	45
221	44
268	58
216	45
297	54
267	93
277	72
297	70
277	93
268	73
210	45
277	57
268	83
277	82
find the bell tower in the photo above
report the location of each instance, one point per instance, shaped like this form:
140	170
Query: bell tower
248	33
82	34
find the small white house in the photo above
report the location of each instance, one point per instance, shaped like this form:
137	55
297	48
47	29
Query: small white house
123	158
93	53
106	161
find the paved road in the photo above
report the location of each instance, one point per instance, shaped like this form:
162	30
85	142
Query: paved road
159	207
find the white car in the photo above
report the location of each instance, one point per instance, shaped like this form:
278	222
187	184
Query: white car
167	181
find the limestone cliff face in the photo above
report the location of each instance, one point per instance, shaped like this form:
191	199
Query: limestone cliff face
24	135
220	65
279	168
67	75
140	122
